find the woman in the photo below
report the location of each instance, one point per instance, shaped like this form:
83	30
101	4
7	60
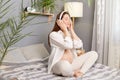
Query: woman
64	43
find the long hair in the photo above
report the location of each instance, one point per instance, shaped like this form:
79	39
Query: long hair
56	27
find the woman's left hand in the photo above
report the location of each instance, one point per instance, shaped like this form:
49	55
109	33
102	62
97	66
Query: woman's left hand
71	26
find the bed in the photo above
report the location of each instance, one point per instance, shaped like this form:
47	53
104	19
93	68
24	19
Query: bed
37	70
34	67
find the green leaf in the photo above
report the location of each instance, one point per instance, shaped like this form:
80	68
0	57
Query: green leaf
3	43
5	37
18	38
2	15
5	9
11	24
3	26
4	6
9	35
1	51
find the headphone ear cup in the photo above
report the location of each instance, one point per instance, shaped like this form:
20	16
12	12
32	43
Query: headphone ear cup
59	18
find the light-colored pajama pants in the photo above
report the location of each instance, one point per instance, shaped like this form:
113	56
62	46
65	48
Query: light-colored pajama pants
82	63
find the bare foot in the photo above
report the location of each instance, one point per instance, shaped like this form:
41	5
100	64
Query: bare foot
77	73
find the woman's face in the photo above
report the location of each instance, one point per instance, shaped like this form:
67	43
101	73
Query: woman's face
66	19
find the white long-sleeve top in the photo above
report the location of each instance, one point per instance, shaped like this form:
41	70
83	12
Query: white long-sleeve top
58	44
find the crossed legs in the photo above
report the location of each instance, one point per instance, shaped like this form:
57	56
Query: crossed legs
79	66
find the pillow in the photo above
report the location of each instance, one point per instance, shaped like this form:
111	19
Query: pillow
35	52
14	56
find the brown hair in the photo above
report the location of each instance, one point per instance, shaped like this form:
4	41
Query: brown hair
56	27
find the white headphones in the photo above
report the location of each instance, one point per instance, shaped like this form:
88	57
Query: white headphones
61	14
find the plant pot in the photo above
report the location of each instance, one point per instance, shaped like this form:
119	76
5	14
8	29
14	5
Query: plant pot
46	10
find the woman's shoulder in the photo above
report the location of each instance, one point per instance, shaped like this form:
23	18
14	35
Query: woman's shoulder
53	33
56	33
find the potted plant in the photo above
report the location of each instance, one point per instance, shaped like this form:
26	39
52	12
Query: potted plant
10	29
47	6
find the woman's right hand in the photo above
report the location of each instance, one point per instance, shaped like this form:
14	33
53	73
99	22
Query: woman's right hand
62	25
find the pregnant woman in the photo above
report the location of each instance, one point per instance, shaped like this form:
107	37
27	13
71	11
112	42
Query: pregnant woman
64	43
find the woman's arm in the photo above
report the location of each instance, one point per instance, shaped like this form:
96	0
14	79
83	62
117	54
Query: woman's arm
74	35
77	42
60	41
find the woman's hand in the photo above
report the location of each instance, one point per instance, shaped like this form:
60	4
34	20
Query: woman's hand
62	25
73	34
71	26
80	52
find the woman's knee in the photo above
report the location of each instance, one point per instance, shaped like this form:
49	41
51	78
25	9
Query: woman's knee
93	54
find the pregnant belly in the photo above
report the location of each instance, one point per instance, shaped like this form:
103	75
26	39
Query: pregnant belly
67	56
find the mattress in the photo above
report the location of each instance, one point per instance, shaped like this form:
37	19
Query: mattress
37	70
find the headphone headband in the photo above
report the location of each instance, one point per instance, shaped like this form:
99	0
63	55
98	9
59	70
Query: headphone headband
61	14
